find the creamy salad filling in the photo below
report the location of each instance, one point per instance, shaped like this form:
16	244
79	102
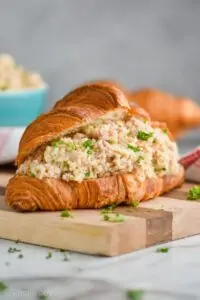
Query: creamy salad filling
106	147
15	77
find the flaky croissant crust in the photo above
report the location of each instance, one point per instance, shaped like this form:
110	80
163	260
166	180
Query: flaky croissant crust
179	113
81	106
26	193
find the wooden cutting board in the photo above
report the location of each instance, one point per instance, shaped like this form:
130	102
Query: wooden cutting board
163	219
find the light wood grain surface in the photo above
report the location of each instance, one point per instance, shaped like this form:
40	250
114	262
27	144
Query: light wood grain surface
163	219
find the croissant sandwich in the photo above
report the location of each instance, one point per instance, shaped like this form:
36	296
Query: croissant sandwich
179	113
91	150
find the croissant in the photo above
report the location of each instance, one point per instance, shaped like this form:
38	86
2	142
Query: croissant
179	113
91	150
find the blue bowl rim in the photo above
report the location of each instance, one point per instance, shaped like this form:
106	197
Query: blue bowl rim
23	91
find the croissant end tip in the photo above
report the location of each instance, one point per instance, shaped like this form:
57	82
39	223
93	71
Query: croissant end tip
23	206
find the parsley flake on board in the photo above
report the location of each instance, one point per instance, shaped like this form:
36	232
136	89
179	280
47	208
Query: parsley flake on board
108	209
162	250
134	149
194	193
135	294
135	203
144	136
20	256
66	214
110	217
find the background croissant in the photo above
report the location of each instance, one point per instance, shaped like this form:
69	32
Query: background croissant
81	106
179	113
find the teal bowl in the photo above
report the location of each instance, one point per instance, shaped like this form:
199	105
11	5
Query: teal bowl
19	108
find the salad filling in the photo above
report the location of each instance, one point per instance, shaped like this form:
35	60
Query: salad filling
105	147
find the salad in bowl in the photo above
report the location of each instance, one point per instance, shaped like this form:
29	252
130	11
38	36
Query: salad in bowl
23	96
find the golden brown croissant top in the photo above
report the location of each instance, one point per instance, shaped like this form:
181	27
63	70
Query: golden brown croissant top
81	107
179	113
78	107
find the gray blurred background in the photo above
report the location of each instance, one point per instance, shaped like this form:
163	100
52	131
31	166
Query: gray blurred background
137	42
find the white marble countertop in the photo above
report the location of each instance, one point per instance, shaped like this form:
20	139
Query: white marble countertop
176	273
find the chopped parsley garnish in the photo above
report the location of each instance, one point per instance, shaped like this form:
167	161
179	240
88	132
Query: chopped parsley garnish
88	144
3	286
65	165
20	256
70	146
89	151
106	217
66	214
13	250
66	254
42	296
135	203
108	209
135	294
144	136
87	174
57	143
17	241
162	250
111	141
32	174
134	149
145	121
49	255
4	88
113	217
165	130
62	250
194	193
139	159
154	141
158	170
